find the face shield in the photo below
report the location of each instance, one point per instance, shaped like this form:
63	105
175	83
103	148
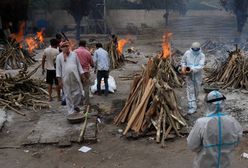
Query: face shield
195	47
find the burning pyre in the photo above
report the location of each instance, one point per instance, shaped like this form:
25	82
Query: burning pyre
115	49
152	103
18	50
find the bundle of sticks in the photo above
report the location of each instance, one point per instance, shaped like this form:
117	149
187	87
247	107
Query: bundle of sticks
12	57
22	91
232	73
152	103
116	58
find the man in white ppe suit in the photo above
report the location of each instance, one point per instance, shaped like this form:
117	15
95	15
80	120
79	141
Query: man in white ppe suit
192	64
215	136
70	76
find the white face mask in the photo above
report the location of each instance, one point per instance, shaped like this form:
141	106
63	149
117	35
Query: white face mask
196	52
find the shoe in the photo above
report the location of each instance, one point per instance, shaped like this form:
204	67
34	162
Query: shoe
191	112
77	109
63	102
97	93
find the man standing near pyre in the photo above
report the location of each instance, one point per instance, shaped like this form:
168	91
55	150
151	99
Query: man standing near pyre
48	60
70	77
86	62
192	64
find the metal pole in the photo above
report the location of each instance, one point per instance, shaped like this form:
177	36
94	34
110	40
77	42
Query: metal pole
104	16
166	12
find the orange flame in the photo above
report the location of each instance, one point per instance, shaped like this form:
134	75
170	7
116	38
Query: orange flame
166	45
40	36
19	35
121	44
32	44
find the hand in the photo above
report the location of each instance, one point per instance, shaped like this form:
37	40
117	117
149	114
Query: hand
43	71
183	70
61	84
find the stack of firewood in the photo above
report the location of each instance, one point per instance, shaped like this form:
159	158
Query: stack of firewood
22	91
152	103
232	73
116	58
12	57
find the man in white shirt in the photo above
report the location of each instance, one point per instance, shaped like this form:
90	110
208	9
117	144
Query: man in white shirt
48	61
70	76
102	64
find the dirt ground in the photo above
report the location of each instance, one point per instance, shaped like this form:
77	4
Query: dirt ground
112	150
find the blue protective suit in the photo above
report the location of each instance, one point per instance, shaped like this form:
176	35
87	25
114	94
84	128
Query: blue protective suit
195	60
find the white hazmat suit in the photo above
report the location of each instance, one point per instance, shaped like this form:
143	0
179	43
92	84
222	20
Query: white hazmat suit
215	136
194	59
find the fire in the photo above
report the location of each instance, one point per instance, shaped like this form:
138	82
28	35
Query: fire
20	34
166	45
32	44
121	44
40	36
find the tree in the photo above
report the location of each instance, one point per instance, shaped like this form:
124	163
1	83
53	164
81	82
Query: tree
78	9
239	8
13	11
176	5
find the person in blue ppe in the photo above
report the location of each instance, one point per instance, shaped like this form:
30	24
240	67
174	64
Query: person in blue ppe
214	136
192	64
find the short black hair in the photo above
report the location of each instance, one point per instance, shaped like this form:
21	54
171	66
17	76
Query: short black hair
82	43
58	36
53	42
98	45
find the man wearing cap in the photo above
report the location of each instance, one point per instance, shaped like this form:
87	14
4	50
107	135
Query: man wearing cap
215	136
70	76
192	64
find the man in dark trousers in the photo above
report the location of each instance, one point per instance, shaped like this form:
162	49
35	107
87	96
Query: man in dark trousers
102	63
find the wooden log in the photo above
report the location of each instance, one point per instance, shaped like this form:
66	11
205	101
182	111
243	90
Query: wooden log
159	125
163	133
11	108
84	124
149	87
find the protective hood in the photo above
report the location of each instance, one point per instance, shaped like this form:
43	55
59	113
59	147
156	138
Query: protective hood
196	53
215	102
